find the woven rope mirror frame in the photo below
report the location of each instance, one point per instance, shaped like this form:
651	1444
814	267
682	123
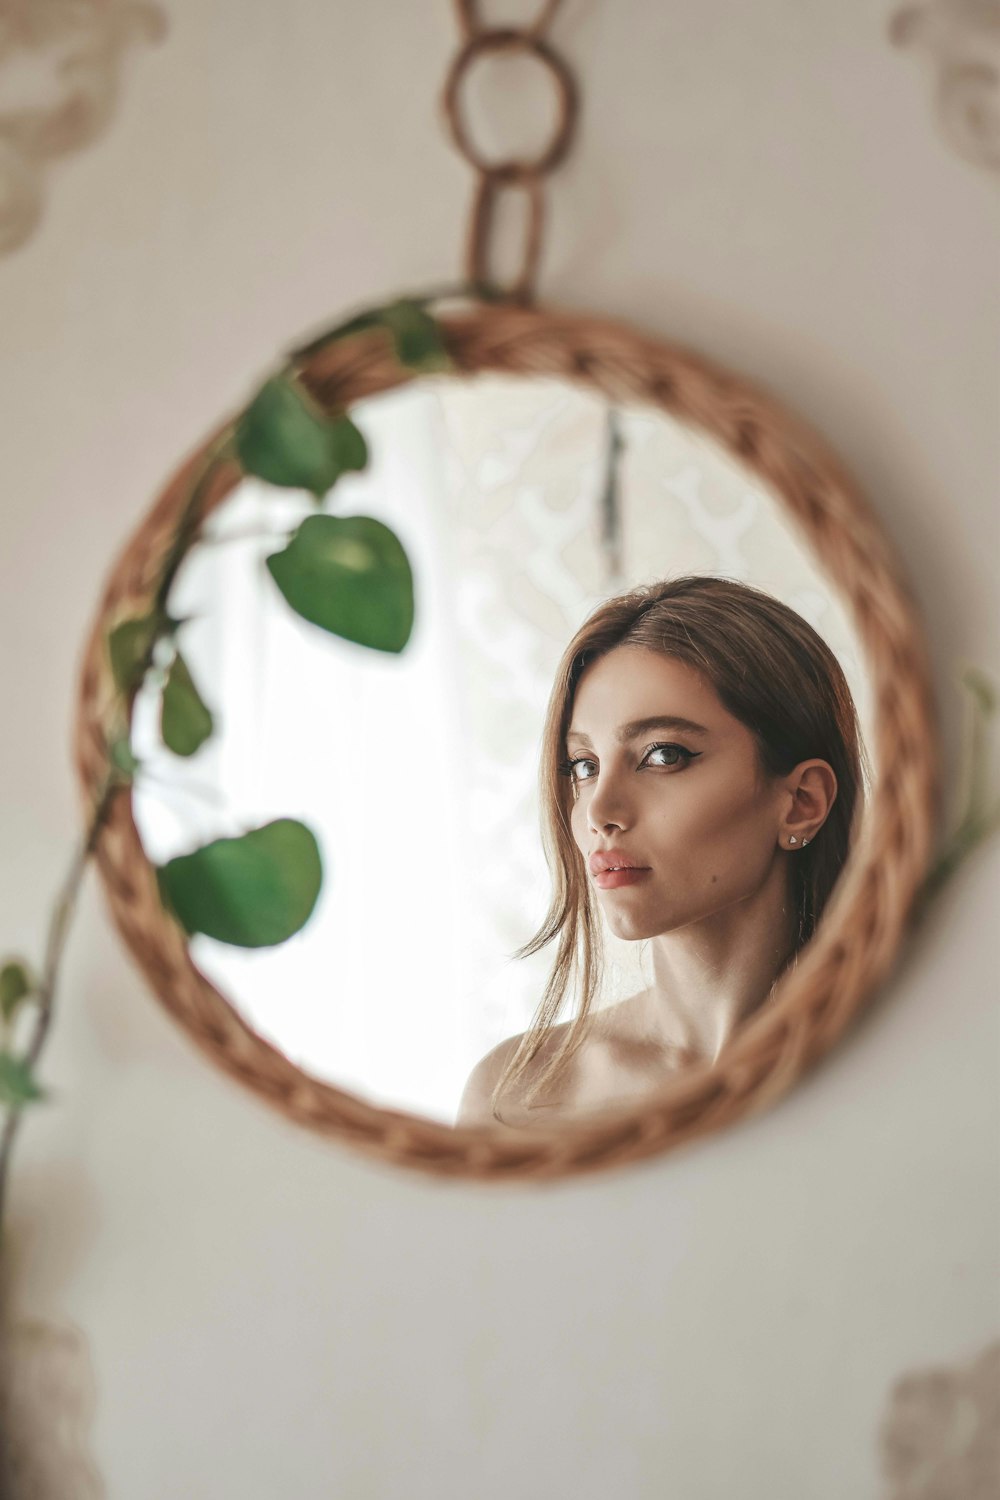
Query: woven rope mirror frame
863	924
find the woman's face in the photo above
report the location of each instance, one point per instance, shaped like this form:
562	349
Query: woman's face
692	812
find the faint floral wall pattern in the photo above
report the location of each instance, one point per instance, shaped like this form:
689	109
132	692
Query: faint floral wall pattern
960	41
47	1400
940	1436
60	72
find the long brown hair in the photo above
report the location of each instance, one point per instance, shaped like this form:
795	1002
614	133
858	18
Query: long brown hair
773	673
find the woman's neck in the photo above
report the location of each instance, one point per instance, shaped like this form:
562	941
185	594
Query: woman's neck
712	974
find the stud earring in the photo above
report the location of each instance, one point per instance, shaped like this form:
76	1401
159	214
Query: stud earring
793	840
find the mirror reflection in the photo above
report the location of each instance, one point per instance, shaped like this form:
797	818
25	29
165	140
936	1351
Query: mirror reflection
574	833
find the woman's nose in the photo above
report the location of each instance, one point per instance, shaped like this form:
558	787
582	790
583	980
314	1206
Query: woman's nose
608	806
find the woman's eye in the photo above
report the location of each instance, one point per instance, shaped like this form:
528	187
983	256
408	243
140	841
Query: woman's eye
678	751
678	756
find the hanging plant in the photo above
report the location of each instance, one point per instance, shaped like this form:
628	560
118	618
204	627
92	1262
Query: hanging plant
348	575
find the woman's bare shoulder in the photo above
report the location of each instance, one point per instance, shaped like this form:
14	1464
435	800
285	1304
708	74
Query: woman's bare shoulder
475	1107
616	1057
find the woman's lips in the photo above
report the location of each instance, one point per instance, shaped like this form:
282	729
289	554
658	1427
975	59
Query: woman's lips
607	880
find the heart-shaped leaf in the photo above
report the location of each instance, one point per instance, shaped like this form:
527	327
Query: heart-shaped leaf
185	722
17	982
253	891
129	646
351	576
416	336
347	443
17	1086
285	438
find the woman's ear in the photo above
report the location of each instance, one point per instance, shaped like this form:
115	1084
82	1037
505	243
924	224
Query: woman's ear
813	785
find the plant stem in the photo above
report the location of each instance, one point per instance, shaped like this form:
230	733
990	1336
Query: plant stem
45	995
972	831
242	536
191	519
484	292
976	820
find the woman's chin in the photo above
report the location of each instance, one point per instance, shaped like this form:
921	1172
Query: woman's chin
631	927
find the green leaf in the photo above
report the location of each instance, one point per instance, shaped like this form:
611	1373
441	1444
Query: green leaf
286	439
369	319
351	576
129	646
185	722
17	1086
121	756
174	622
253	891
416	336
348	444
17	982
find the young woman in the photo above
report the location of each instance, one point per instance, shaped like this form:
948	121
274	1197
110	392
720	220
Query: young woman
701	786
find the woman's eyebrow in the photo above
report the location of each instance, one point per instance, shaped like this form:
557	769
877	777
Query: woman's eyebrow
632	730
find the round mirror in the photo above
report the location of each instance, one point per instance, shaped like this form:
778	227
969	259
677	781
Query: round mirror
632	722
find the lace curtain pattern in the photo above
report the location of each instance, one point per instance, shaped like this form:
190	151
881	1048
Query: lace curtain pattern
419	773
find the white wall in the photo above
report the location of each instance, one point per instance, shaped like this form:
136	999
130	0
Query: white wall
266	1312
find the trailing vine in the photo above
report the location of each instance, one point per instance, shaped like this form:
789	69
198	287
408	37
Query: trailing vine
349	575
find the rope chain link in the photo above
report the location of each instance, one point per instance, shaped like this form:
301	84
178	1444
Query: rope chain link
524	174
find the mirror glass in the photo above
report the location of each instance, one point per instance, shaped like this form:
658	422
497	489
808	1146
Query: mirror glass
523	505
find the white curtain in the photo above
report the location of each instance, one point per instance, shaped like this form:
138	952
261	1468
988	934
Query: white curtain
417	772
